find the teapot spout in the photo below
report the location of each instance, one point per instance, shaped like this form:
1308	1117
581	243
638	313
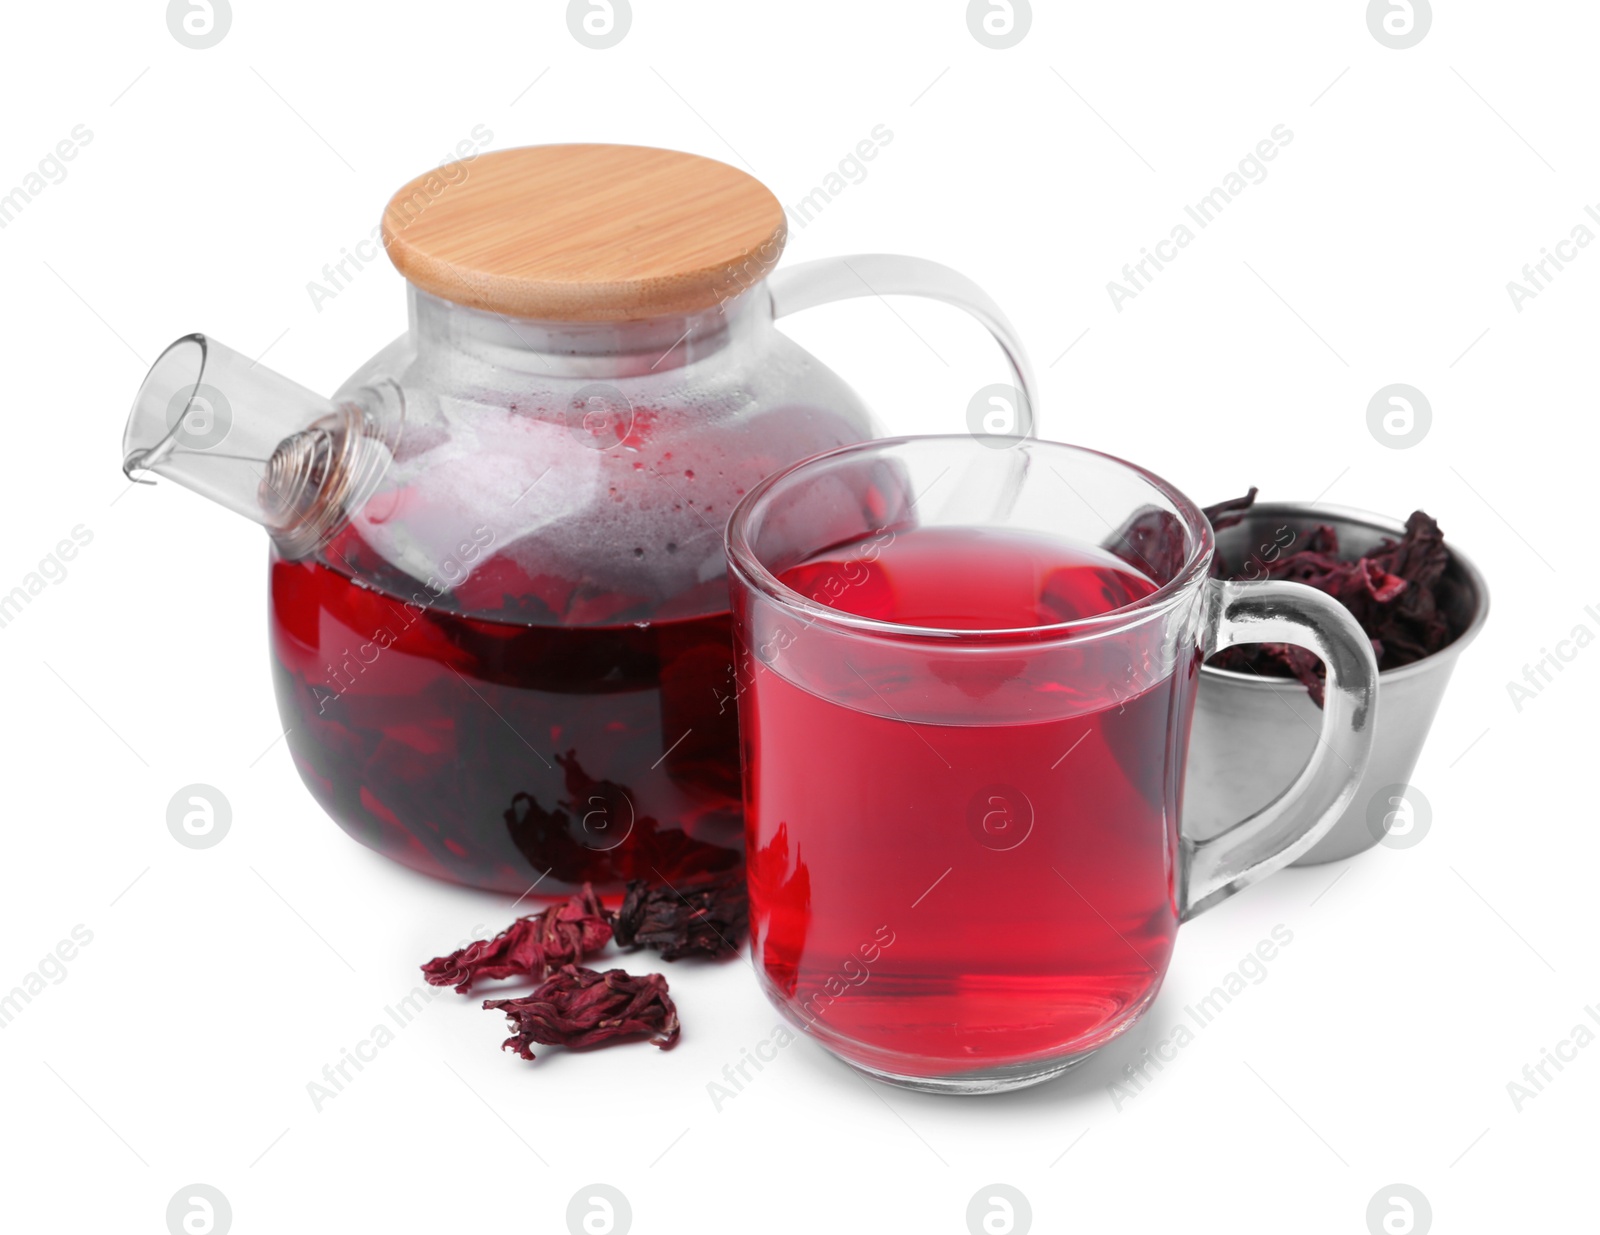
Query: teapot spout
259	444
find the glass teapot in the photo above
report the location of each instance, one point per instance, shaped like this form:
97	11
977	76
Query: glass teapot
499	614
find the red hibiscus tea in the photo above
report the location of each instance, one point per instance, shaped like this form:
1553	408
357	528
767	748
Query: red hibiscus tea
505	751
963	861
967	668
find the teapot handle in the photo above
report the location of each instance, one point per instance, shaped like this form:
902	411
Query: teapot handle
809	284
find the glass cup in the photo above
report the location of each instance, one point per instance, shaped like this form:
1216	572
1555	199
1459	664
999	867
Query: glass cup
966	862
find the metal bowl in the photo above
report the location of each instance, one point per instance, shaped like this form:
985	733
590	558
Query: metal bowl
1252	735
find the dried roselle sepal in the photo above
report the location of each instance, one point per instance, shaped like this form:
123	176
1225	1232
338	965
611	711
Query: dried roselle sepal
1416	626
1152	541
1275	660
1155	542
529	947
707	915
1226	514
580	1008
1393	591
562	838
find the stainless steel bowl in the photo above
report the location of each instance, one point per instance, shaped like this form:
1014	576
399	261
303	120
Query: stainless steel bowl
1252	734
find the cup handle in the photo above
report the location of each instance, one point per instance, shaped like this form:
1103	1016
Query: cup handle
1275	611
828	279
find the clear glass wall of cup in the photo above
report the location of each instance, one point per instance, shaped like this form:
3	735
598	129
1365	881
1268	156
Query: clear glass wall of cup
966	864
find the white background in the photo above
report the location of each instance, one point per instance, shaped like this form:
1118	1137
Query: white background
219	982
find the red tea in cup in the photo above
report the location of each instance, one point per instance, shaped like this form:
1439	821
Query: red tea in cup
966	680
1033	854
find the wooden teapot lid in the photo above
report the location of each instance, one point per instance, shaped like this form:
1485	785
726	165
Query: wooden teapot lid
586	233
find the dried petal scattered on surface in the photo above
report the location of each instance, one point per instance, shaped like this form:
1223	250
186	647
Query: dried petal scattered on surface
529	947
708	915
581	1007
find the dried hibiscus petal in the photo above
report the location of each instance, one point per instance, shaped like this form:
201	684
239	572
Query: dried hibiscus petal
529	947
1394	591
1276	660
581	1007
707	915
1226	514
